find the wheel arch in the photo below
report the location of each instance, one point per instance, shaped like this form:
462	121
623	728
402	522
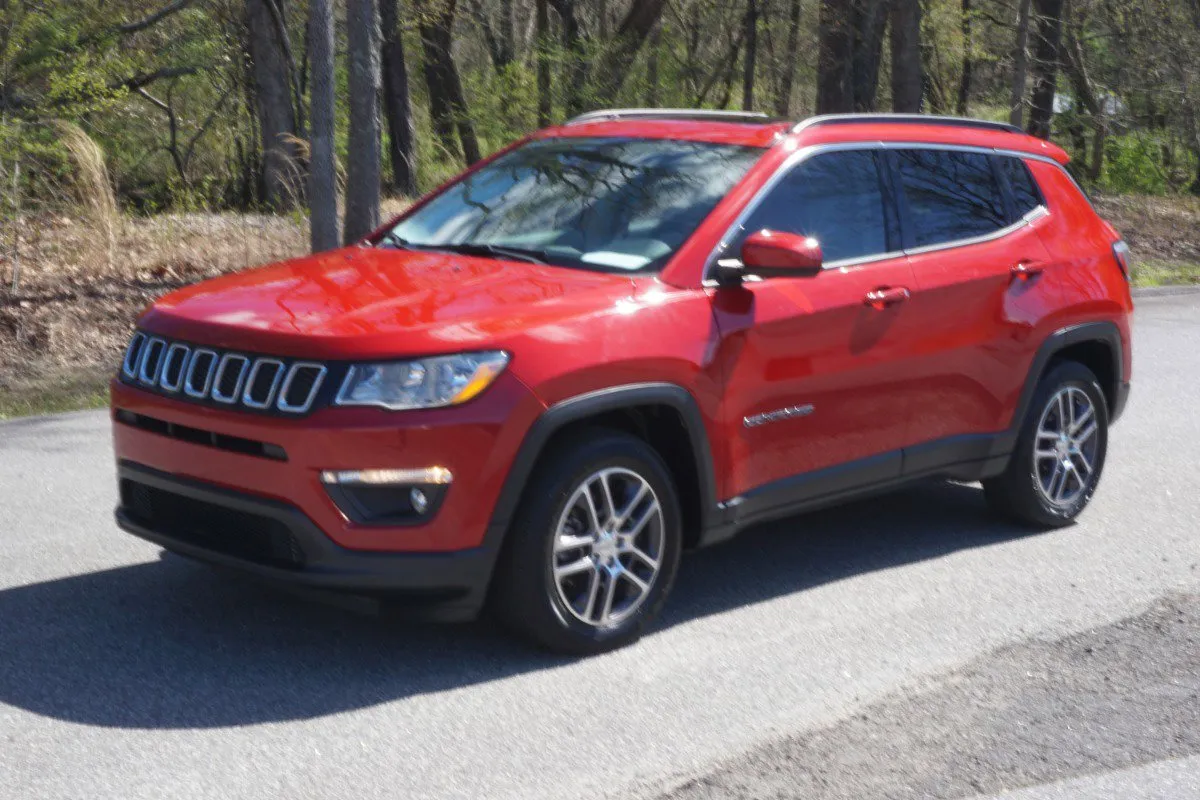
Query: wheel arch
1096	345
633	408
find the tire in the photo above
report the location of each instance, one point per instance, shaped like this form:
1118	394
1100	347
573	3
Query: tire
565	615
1027	490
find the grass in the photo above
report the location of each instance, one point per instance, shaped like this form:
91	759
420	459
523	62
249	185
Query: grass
67	392
1164	272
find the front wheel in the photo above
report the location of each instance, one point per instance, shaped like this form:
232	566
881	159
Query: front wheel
594	547
1056	466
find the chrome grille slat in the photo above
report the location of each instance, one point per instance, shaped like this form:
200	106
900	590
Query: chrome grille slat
189	382
230	378
252	381
133	355
284	403
176	350
227	359
151	361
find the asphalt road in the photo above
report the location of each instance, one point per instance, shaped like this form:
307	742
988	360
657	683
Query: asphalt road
882	627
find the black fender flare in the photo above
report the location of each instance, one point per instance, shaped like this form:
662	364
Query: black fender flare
581	407
1102	331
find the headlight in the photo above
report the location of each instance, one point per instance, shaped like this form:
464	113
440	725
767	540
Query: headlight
424	383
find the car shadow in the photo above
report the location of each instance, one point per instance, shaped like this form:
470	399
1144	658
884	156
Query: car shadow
172	644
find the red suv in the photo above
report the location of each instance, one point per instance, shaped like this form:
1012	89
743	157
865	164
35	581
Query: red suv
628	335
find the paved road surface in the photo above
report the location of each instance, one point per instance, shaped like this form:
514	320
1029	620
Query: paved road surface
124	674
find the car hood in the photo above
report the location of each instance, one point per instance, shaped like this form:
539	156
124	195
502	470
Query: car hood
370	301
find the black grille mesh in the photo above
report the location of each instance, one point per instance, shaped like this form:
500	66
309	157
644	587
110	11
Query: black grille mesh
239	534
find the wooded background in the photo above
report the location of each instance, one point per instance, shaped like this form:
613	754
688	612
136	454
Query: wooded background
279	104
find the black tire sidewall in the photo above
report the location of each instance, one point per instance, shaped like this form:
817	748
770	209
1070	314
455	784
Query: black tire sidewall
1065	375
530	595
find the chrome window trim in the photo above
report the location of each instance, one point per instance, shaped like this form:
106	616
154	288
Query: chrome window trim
145	357
208	376
283	405
166	362
249	401
805	153
237	389
127	369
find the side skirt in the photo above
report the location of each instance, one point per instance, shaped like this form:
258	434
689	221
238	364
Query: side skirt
966	458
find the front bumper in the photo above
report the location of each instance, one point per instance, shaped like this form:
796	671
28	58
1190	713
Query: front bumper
275	541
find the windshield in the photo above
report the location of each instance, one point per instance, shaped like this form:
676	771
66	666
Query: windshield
614	204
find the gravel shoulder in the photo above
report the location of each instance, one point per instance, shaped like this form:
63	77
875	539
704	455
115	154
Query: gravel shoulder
1111	698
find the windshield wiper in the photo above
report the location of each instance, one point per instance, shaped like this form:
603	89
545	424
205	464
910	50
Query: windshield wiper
491	251
532	256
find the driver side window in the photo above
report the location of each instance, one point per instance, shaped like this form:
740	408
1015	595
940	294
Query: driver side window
836	198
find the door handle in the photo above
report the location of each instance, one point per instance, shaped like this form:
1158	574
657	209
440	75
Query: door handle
1024	270
881	298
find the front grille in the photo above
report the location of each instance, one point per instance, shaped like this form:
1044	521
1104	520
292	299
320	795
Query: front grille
220	378
240	534
186	433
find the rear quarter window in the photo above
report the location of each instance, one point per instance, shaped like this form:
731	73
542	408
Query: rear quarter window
952	195
1026	196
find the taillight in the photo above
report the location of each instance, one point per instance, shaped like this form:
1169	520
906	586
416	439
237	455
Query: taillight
1121	253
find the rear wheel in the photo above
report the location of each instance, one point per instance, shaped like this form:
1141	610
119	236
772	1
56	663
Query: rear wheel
594	547
1060	451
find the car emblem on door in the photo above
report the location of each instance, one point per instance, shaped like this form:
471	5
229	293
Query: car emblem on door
777	415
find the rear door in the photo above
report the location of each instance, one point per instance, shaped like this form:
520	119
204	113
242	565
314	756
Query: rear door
815	374
980	290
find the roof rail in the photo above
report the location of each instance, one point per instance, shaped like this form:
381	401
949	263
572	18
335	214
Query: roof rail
695	114
904	119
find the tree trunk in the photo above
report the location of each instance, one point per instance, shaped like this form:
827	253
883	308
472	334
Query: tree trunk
652	85
870	23
322	170
362	167
273	104
908	75
447	102
612	64
964	82
542	43
397	102
1016	102
783	100
1045	66
1085	93
750	34
575	49
834	58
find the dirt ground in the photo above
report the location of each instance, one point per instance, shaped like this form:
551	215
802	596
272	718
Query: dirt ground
77	292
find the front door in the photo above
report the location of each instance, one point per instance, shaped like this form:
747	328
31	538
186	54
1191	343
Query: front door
815	367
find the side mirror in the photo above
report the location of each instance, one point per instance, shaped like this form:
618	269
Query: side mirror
774	254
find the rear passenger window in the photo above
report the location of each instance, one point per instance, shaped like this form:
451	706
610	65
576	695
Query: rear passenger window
1025	193
951	195
835	198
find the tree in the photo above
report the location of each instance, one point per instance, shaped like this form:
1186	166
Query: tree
322	168
362	161
1045	66
447	102
1020	69
273	102
542	43
750	34
397	102
783	99
908	73
964	80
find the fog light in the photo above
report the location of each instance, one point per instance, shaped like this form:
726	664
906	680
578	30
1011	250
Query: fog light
420	502
381	477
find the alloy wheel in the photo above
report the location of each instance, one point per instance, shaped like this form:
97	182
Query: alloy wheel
608	547
1064	454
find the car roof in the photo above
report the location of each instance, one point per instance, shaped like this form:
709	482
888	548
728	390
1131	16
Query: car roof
758	130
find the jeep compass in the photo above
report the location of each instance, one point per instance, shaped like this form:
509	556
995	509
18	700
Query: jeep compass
629	335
